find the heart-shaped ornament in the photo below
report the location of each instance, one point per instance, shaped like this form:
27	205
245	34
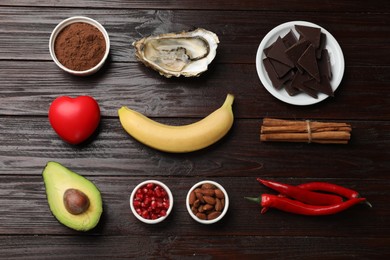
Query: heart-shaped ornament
74	119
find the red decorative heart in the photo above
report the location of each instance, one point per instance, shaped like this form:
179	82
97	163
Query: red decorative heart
74	119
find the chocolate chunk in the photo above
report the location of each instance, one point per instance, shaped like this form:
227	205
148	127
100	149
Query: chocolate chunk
322	45
276	82
280	68
277	52
324	65
290	89
296	51
311	34
322	86
289	39
308	62
289	76
298	83
266	50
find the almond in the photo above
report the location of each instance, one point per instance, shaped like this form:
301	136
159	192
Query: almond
196	203
219	194
213	215
207	192
192	198
208	186
209	200
208	207
201	215
199	196
218	205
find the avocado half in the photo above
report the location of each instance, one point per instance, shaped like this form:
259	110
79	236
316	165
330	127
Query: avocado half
58	179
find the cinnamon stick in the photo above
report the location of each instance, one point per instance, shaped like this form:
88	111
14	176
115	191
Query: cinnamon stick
280	130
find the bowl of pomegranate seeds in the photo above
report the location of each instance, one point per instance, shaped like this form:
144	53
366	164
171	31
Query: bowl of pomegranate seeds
151	201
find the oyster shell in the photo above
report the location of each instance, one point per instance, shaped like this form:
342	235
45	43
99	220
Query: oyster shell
176	54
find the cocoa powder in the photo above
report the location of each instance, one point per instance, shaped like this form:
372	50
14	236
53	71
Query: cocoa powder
80	46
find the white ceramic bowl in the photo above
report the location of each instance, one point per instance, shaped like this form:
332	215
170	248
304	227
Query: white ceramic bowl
225	209
335	54
76	19
151	221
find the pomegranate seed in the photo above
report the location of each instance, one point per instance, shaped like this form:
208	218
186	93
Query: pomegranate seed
139	196
147	201
145	214
158	193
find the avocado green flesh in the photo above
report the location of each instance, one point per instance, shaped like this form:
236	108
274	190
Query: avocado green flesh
58	179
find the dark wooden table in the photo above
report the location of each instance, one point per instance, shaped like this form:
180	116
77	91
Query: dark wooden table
116	163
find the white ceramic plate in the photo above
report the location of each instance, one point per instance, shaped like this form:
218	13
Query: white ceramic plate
335	55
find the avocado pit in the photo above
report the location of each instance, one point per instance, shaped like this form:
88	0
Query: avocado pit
76	202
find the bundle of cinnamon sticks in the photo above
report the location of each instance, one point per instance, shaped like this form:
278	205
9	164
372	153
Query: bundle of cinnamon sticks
279	130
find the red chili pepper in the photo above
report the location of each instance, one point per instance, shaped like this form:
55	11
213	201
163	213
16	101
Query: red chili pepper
293	206
305	196
330	187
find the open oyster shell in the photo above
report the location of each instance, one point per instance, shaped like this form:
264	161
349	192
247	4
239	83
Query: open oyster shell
176	54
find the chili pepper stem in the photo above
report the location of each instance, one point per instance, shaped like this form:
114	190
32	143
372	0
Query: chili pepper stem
256	200
368	203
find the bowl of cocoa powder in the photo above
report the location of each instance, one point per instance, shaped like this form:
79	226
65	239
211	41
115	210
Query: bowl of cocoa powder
207	202
79	45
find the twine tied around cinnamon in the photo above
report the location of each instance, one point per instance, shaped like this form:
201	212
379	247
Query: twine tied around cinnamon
308	131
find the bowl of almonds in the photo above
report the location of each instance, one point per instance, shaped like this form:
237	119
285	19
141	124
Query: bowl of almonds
207	202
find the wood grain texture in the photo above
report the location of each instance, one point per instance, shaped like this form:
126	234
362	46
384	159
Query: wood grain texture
25	210
240	33
363	93
28	143
170	246
116	163
264	5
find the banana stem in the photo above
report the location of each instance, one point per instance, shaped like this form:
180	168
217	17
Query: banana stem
229	100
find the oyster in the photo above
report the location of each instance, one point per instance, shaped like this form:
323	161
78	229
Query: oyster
176	54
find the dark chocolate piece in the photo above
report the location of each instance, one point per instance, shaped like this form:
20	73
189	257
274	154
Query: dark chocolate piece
277	52
266	50
290	89
280	68
289	39
322	86
289	76
324	65
296	51
298	81
276	82
308	62
322	45
309	33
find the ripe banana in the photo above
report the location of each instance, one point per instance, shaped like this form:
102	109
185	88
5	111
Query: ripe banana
179	139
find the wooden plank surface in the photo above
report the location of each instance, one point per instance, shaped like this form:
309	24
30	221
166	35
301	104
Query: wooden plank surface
28	143
288	5
362	95
240	33
116	163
